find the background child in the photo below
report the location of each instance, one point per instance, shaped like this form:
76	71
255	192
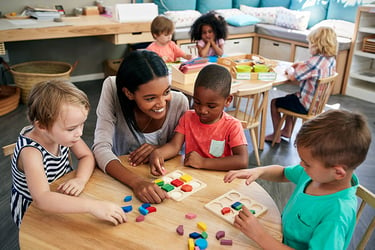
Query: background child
213	139
321	212
322	63
162	29
57	111
209	31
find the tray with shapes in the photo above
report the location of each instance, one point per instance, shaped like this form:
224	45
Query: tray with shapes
228	205
179	185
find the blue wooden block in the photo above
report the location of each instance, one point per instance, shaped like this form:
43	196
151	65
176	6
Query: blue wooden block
195	235
201	243
237	205
146	205
143	210
127	209
128	198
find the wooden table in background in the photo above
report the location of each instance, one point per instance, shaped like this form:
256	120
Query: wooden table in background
42	230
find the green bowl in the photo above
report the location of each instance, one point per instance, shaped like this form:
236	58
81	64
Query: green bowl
261	68
243	68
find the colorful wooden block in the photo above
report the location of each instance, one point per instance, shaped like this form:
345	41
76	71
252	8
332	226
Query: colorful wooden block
226	242
201	243
180	230
177	182
146	205
186	188
202	226
220	234
167	187
159	182
127	209
143	210
190	216
186	178
195	235
237	205
191	244
204	235
151	209
128	198
140	218
225	210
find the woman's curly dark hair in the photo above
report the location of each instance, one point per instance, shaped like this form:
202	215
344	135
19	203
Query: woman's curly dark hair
212	18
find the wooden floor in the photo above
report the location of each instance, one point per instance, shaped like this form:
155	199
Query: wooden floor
284	154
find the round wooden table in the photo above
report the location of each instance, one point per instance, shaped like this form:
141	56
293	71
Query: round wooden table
43	230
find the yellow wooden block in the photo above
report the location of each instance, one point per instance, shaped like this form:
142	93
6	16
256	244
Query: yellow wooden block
186	178
202	226
191	244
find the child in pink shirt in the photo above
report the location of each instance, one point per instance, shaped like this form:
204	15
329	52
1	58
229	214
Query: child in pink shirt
162	29
213	139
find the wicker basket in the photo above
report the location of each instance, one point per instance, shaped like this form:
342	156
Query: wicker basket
9	98
26	75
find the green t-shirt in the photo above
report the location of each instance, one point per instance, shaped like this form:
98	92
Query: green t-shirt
318	222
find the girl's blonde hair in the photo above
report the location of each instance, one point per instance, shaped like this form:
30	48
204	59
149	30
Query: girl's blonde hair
323	40
46	98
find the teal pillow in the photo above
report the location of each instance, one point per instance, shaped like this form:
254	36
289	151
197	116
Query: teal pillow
318	10
343	10
167	5
242	20
204	6
251	3
275	3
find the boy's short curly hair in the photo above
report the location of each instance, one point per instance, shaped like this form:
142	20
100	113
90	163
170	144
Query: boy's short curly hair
216	21
323	40
216	78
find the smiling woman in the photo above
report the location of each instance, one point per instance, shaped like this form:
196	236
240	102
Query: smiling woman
137	112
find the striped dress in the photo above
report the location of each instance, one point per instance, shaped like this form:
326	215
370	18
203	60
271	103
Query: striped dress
54	168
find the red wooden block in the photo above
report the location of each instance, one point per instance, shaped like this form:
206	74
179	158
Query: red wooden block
225	210
140	218
187	188
151	209
177	182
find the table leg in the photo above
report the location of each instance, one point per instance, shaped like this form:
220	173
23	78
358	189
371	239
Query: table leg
263	121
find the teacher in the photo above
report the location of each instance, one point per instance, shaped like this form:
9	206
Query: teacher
137	112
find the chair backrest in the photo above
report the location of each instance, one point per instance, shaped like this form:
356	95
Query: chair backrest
322	94
250	104
8	149
367	197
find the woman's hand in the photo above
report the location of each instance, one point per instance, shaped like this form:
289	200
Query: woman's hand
149	192
141	154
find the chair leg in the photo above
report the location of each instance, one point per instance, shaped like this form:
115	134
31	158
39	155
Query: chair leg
255	145
277	133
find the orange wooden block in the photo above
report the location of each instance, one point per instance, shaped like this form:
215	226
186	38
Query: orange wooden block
186	188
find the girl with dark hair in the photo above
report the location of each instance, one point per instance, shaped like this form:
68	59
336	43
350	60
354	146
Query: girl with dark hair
209	31
137	112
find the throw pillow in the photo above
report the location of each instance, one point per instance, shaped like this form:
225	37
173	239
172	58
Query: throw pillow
242	20
343	10
168	5
292	19
229	12
265	15
317	9
204	6
275	3
342	28
182	18
252	3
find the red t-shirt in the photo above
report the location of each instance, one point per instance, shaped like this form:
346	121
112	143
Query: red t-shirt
211	140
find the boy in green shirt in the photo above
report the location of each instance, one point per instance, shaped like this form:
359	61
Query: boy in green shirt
321	212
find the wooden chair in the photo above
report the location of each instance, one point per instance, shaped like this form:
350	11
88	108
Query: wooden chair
367	197
8	149
249	106
320	99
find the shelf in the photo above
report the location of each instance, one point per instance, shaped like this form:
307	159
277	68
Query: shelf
367	30
364	76
364	54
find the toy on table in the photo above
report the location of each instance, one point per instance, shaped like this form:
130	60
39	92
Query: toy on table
179	185
228	205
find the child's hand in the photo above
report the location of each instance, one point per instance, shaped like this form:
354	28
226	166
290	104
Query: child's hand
72	187
108	211
249	174
149	192
156	163
141	154
248	224
193	159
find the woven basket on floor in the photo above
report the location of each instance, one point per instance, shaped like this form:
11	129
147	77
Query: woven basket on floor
9	98
26	75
